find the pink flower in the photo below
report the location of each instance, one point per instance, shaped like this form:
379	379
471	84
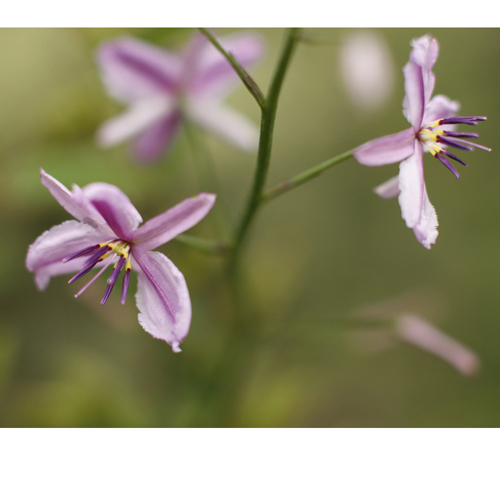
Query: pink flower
163	89
432	129
109	233
422	334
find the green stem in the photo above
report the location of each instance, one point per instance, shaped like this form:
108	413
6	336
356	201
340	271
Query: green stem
304	176
244	76
265	144
202	244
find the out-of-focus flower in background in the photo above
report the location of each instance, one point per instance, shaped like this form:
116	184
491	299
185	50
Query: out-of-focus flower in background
163	89
400	319
416	331
432	122
367	69
109	233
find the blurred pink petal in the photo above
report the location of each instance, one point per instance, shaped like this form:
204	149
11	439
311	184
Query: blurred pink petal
224	122
164	89
388	189
418	332
367	68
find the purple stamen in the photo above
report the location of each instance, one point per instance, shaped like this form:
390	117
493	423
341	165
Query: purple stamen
473	144
456	158
94	258
103	268
112	279
90	263
453	143
447	164
126	281
468	120
83	271
461	134
80	253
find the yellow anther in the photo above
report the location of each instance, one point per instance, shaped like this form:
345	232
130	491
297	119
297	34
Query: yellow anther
434	124
427	135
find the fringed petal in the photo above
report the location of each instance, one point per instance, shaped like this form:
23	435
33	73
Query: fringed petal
162	298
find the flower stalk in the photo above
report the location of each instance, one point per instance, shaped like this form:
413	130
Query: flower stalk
244	76
268	118
213	247
304	177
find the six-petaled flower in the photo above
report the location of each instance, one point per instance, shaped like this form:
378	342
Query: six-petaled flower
432	129
164	89
107	232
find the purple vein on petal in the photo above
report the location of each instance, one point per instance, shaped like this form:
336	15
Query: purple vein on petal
141	67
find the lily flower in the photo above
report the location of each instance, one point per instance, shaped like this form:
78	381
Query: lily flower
164	89
432	129
108	233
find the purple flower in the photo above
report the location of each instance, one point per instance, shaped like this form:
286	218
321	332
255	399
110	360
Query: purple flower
109	233
164	89
432	129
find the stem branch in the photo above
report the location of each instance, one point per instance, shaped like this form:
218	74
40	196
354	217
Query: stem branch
268	118
304	177
244	76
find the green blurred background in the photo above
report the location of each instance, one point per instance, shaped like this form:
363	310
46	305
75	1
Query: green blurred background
314	255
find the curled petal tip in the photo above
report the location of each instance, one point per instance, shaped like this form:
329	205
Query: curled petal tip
176	348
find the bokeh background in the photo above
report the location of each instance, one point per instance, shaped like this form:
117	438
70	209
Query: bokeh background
314	257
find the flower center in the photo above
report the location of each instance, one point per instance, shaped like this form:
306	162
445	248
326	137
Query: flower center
435	139
114	251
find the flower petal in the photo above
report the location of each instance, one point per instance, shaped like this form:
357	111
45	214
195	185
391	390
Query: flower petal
426	230
153	143
115	208
224	122
162	298
174	221
441	106
416	331
139	117
388	189
387	149
46	253
132	69
213	74
74	203
425	53
414	100
411	185
416	209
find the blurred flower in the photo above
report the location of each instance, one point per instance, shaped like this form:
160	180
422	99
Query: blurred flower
430	121
418	332
163	89
366	68
108	233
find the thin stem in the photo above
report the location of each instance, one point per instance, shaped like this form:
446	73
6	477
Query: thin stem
304	176
202	244
244	76
265	144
